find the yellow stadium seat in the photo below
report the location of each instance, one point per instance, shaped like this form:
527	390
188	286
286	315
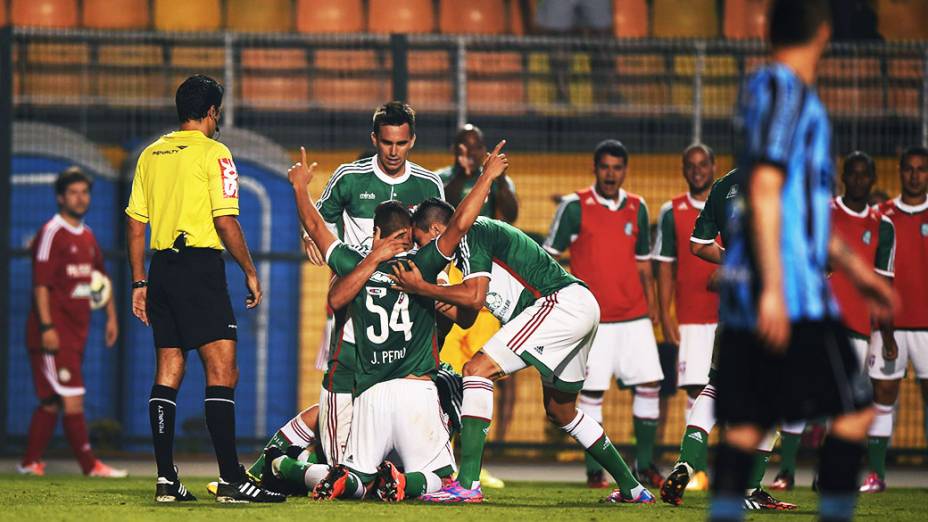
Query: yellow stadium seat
641	65
256	17
903	19
44	13
472	17
644	97
630	18
187	15
400	16
713	66
746	18
115	14
349	93
329	16
685	19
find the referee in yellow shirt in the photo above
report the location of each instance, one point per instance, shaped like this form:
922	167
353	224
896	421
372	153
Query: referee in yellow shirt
186	188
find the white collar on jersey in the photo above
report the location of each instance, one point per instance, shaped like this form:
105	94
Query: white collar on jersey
910	209
387	179
611	204
79	229
698	205
862	214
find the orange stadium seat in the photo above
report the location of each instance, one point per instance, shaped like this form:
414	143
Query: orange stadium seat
685	19
256	17
852	101
472	17
905	68
401	16
745	18
329	16
630	18
849	68
275	78
115	14
903	101
903	19
430	86
489	92
44	13
187	15
334	89
3	14
143	84
516	22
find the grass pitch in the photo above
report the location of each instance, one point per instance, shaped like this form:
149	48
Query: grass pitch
98	500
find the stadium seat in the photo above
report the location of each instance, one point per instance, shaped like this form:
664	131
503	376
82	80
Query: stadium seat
431	95
641	65
400	16
495	83
329	16
187	15
905	68
745	18
903	101
347	60
852	101
630	18
3	7
115	14
516	22
275	79
349	93
472	17
44	13
42	88
714	65
685	19
143	83
58	53
849	68
903	19
198	57
255	17
145	55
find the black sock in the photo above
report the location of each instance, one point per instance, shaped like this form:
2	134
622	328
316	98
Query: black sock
162	409
839	465
732	470
220	420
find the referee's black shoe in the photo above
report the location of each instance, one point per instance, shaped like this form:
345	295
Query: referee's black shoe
244	491
167	490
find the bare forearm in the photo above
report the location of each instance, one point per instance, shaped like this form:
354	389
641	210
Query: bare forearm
463	317
230	232
457	295
135	244
507	205
111	309
42	304
344	289
710	252
312	221
647	282
766	183
665	286
455	187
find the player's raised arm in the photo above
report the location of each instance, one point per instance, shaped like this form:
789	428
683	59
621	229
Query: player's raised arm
494	166
345	288
300	175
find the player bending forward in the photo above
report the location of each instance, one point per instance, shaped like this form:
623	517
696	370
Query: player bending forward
549	320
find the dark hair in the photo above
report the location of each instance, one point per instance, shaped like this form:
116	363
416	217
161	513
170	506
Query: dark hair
466	130
699	146
196	95
858	156
70	176
914	150
430	211
391	216
394	113
795	22
612	148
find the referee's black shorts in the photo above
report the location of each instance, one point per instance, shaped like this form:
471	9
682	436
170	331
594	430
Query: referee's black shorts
817	376
188	299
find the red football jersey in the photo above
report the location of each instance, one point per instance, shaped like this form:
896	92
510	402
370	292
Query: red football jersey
695	304
604	256
63	257
861	231
911	282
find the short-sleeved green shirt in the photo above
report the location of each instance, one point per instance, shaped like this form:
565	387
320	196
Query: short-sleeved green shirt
713	219
489	206
886	248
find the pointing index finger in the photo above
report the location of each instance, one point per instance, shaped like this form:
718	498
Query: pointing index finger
498	147
303	156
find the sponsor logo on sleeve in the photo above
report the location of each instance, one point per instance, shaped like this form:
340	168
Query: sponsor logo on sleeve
229	178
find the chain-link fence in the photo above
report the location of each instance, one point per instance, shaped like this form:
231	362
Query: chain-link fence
93	98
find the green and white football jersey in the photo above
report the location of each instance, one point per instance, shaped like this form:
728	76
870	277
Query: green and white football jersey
489	207
519	270
713	219
394	332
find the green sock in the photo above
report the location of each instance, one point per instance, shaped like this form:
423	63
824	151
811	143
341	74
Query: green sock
473	438
757	471
591	465
606	455
293	470
415	484
353	486
876	454
694	449
645	433
313	458
789	448
278	441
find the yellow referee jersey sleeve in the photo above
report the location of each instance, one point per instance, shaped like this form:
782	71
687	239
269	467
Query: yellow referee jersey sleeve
182	181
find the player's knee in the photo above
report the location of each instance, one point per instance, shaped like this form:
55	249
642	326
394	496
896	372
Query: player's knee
310	417
885	392
479	366
51	404
72	405
560	415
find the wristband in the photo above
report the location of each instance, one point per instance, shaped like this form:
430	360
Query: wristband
44	327
141	283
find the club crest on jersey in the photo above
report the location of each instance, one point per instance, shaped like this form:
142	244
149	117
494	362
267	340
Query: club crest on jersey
924	229
628	229
732	192
868	236
229	178
64	375
376	291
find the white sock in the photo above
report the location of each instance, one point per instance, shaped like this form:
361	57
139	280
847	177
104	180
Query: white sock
478	398
432	482
297	432
883	422
769	441
689	406
314	474
592	407
647	402
584	430
702	415
793	428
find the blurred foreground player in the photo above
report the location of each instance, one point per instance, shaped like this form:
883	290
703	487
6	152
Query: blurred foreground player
65	254
784	355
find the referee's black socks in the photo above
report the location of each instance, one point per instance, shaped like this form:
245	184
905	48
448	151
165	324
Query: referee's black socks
162	410
838	478
732	474
220	420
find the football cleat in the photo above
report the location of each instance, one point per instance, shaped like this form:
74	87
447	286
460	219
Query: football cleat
454	493
698	482
212	488
103	471
594	480
617	497
873	484
391	483
243	491
36	469
784	481
333	485
760	499
489	481
172	491
676	484
269	479
649	476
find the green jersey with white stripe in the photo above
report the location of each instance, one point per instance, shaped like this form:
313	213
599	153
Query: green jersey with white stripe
519	270
394	332
713	218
